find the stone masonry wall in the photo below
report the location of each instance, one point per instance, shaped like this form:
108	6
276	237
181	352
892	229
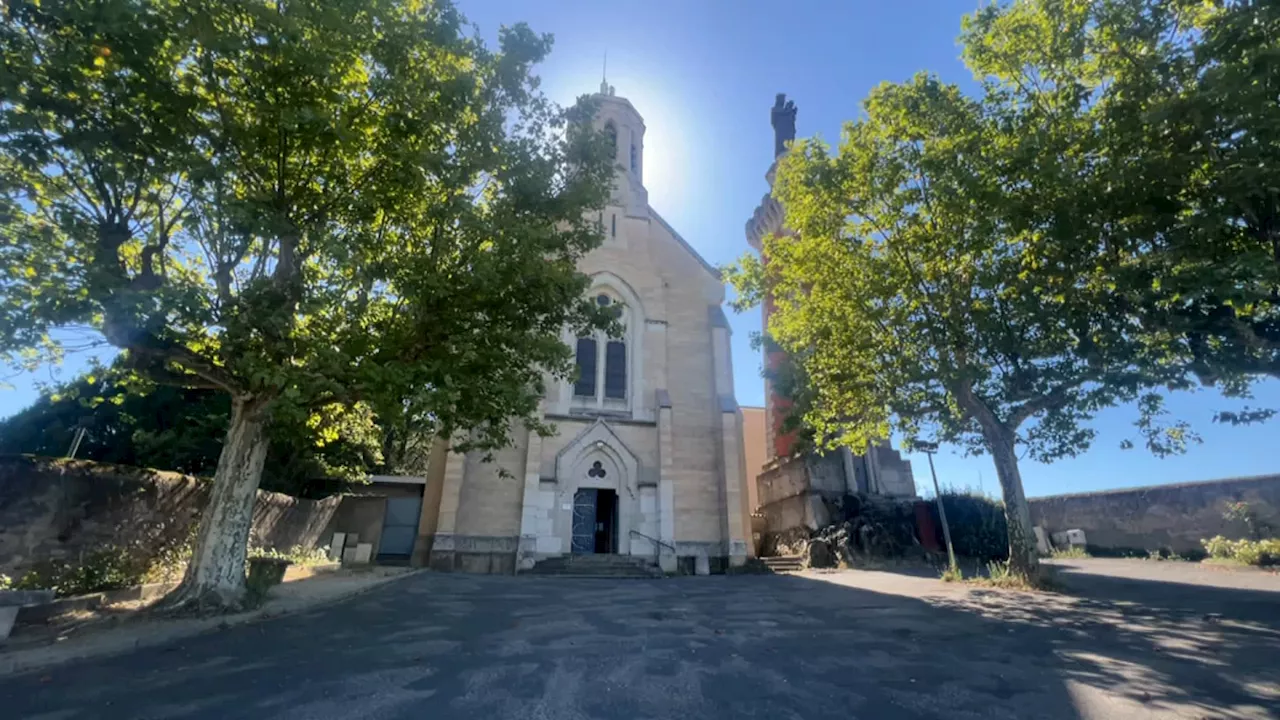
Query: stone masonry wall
59	510
1176	517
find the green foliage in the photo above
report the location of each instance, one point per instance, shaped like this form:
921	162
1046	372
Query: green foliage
1246	514
978	526
1074	552
107	568
296	555
133	422
999	572
308	206
952	574
1099	225
149	555
921	296
310	203
6	582
1247	552
1173	102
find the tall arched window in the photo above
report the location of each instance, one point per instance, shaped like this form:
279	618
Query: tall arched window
611	132
603	374
586	356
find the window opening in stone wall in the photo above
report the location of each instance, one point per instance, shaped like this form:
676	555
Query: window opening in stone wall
613	231
603	364
615	370
612	133
586	357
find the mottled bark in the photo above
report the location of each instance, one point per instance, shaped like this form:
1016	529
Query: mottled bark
999	439
215	577
1023	557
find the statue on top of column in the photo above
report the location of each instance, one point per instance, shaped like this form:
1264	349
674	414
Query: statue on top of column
783	118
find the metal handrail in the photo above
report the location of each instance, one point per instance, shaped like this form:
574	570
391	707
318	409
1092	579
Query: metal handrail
658	543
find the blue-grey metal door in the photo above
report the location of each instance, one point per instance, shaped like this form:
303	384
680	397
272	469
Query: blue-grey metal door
400	526
584	521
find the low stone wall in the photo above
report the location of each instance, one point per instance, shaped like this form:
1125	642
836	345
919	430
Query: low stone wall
1175	517
59	510
474	554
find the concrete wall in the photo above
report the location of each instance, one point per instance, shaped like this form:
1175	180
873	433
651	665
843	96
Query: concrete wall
892	474
1176	517
59	510
789	497
782	479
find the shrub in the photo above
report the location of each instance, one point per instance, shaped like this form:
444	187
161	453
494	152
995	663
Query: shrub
108	568
978	527
1248	552
297	555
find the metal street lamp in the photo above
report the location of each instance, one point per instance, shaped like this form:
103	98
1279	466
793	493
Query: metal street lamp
929	449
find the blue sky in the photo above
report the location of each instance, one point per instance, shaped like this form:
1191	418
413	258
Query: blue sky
704	73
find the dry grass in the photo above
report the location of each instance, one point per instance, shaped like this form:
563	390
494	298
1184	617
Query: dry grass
999	575
1075	552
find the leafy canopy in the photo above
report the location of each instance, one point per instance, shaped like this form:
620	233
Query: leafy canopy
129	421
923	286
298	204
1179	121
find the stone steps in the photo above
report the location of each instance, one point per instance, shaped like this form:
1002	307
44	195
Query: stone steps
784	563
610	566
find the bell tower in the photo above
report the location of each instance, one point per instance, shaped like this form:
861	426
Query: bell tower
768	219
620	121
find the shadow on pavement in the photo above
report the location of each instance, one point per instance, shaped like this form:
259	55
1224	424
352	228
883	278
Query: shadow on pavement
1198	650
456	646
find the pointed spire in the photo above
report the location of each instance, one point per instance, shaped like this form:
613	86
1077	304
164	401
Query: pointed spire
604	75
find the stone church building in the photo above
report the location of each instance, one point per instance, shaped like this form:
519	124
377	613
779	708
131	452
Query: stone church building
648	460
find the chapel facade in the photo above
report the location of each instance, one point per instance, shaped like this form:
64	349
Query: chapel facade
648	460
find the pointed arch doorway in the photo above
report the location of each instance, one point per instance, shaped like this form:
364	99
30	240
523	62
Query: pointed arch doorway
595	515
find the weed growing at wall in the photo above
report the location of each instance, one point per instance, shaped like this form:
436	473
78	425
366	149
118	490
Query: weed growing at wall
296	555
1074	552
108	568
1247	515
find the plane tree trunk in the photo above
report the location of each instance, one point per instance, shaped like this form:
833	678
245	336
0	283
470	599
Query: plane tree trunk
215	577
998	437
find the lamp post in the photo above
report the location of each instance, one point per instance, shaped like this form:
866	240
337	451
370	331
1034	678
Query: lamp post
929	449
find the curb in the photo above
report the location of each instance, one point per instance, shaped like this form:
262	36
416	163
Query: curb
49	656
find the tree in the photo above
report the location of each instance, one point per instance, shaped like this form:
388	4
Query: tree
1183	130
926	288
297	204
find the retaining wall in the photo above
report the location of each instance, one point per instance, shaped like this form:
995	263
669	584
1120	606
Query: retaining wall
1175	517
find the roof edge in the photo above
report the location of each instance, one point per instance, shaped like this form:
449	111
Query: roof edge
701	260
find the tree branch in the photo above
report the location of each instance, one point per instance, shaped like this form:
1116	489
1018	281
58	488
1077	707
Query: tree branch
1047	401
